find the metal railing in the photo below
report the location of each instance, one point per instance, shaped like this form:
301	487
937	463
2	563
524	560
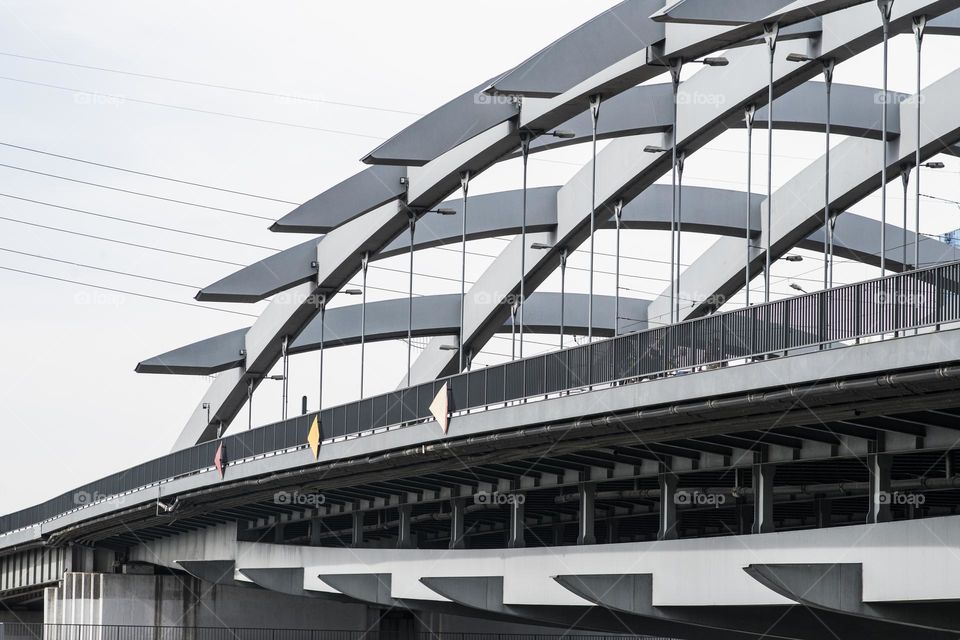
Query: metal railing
884	306
42	631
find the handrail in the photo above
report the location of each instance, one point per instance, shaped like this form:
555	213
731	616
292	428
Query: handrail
881	306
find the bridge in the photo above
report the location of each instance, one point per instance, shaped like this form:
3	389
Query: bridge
693	467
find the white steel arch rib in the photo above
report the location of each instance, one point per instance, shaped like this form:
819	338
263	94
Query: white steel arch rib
850	30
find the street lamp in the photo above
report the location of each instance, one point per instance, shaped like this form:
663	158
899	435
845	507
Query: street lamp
364	265
465	186
793	258
675	217
886	7
916	239
540	246
919	26
828	66
323	325
526	137
618	216
748	116
794	285
770	32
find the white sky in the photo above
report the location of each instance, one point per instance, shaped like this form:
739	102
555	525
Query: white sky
71	407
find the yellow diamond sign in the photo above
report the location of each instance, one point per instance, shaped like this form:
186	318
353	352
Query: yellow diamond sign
313	437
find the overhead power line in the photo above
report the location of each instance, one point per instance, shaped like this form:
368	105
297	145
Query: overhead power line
90	266
145	173
135	193
212	85
127	293
137	222
123	242
191	109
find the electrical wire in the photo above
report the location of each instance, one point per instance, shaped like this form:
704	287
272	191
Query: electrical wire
138	223
192	109
89	266
198	83
128	293
123	242
135	193
144	173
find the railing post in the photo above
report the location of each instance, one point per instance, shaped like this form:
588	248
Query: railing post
937	298
858	313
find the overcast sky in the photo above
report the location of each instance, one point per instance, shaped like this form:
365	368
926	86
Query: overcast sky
322	84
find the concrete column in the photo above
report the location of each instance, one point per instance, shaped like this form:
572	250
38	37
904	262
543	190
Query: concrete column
357	530
457	516
403	537
879	465
763	473
517	524
668	504
278	533
586	532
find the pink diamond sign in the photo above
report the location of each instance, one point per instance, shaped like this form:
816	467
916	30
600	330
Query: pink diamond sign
220	460
440	408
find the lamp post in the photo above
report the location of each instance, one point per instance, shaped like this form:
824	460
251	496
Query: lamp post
676	67
286	374
526	137
618	216
364	265
323	326
681	158
770	33
828	66
465	186
905	178
595	101
748	116
919	26
886	6
540	246
412	225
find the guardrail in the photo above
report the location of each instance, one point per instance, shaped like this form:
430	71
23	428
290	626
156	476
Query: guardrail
884	306
41	631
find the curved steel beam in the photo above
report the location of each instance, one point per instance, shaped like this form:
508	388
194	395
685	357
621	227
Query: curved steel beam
625	171
289	581
633	594
830	588
355	196
428	185
799	203
639	110
387	320
486	594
